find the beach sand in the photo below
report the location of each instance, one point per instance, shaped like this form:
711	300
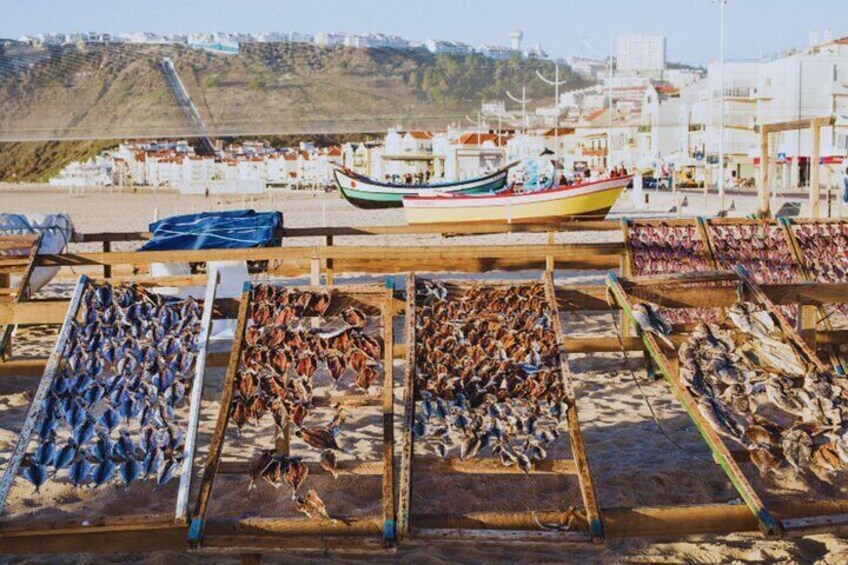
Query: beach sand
633	460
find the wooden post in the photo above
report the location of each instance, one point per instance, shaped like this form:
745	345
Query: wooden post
329	267
763	185
315	269
407	442
107	269
815	188
183	493
389	518
549	260
216	444
584	475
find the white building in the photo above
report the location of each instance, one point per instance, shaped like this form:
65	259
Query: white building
325	39
497	52
447	47
640	53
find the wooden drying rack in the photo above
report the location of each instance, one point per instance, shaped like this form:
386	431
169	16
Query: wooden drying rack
257	534
20	533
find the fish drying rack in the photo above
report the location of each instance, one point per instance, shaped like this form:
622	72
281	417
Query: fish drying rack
191	526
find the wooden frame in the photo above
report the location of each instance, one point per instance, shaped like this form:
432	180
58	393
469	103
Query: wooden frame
22	293
792	516
39	528
490	526
359	534
721	453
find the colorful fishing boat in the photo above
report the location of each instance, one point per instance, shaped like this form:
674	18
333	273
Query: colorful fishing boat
367	193
590	200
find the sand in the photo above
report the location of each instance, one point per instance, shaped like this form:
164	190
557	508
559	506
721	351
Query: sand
633	460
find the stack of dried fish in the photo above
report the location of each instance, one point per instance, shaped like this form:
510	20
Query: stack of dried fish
487	373
125	369
825	249
661	249
288	341
754	386
762	248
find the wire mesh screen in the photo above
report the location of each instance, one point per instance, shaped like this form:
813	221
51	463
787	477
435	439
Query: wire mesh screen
763	248
109	441
823	246
490	429
305	434
757	388
660	248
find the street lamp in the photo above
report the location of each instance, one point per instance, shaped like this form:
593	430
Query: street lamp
523	101
556	83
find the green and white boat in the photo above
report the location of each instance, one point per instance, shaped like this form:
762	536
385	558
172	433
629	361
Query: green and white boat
367	193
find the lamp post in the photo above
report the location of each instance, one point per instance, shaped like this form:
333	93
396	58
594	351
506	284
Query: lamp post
556	83
610	60
721	4
523	101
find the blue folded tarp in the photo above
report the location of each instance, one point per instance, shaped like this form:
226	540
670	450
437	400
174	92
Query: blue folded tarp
216	230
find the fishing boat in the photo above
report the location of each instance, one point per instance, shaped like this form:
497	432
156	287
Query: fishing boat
367	193
591	200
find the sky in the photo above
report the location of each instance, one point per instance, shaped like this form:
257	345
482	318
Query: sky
754	28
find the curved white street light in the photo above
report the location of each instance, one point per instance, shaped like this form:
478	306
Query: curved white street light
556	83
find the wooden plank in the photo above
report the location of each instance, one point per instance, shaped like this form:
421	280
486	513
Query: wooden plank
389	518
217	442
584	475
35	408
815	169
22	295
166	539
196	398
347	252
476	537
407	445
414	229
721	453
763	185
223	544
294	526
709	245
100	524
520	521
329	273
678	520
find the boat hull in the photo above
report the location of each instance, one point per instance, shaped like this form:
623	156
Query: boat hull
590	201
370	195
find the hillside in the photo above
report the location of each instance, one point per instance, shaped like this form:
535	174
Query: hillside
37	161
267	89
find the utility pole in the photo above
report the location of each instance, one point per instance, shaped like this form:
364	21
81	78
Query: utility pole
523	101
556	83
609	126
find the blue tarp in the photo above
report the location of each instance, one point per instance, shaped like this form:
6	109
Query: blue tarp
215	230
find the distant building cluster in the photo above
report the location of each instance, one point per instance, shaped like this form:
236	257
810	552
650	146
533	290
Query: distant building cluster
228	43
246	168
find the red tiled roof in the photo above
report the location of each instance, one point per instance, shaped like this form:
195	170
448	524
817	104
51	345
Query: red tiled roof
474	139
596	114
420	134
